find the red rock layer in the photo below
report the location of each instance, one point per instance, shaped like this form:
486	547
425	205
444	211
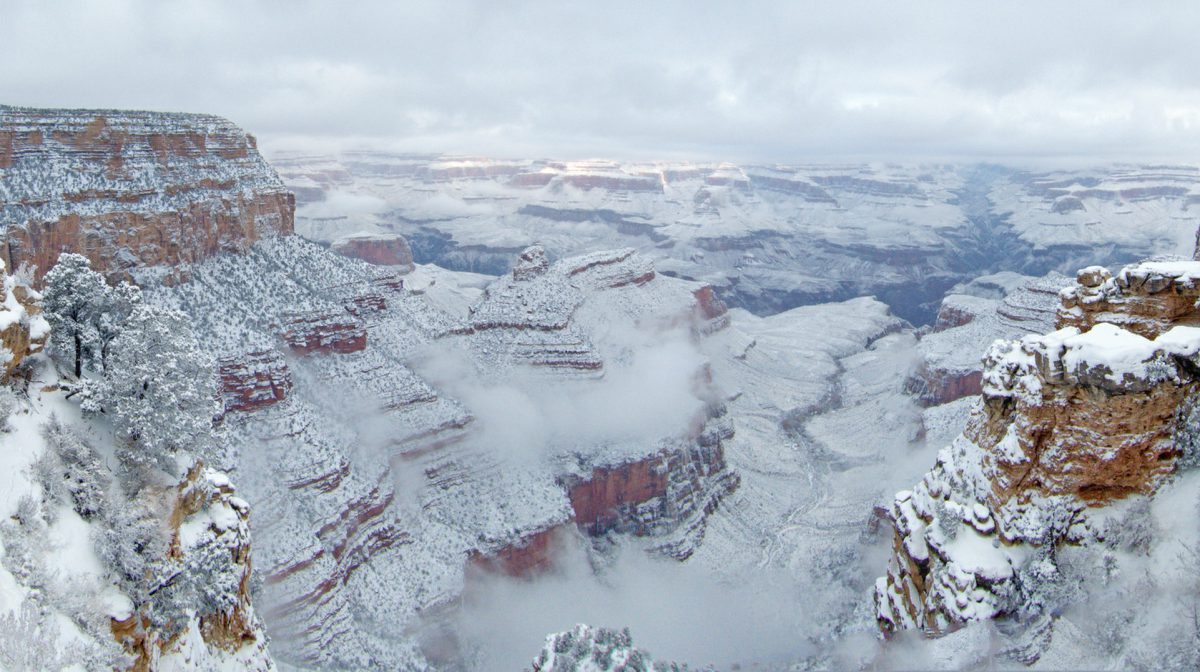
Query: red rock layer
253	381
529	556
325	333
601	501
381	249
950	316
117	242
656	493
934	386
708	304
145	189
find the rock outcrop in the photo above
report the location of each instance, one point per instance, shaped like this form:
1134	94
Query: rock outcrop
1146	298
654	495
209	553
1070	421
383	249
132	191
23	330
325	332
252	381
527	557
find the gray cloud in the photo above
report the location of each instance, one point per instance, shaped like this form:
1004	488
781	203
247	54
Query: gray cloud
783	81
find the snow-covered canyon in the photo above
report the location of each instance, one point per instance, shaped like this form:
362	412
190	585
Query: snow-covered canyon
469	403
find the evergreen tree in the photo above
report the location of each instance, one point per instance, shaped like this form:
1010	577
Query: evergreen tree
160	389
117	305
73	298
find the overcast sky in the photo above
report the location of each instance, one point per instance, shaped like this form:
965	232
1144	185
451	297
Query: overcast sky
787	81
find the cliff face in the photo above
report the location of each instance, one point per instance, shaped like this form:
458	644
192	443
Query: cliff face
1071	421
146	195
657	494
132	190
209	553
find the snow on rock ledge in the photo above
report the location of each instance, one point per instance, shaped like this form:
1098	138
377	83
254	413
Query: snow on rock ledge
133	190
1070	421
1146	298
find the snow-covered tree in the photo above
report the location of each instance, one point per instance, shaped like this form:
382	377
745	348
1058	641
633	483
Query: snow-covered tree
116	307
30	640
8	405
588	649
160	388
74	295
130	541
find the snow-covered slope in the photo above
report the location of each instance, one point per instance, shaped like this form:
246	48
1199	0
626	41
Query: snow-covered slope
567	395
94	577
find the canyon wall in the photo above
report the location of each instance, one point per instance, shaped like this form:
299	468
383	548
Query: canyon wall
132	191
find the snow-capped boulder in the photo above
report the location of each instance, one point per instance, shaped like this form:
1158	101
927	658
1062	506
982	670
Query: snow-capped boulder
1147	298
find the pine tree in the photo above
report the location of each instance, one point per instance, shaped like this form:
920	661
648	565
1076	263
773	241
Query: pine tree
160	388
74	295
117	305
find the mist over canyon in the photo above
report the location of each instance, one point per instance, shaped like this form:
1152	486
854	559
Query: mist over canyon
565	338
473	403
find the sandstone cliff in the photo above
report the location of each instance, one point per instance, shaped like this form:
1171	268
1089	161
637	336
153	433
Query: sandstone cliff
133	191
1070	421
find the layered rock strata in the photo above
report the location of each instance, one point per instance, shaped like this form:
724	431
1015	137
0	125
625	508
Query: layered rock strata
1070	421
132	191
252	381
